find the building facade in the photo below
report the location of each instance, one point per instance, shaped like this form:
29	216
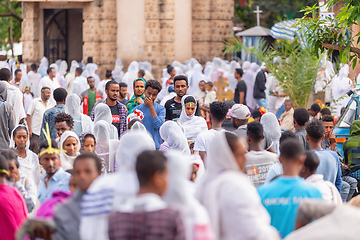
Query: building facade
158	31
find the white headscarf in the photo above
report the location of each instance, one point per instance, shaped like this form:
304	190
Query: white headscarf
44	64
174	137
131	75
103	112
178	196
272	129
105	147
73	107
231	78
74	65
196	77
63	68
192	125
249	78
67	161
118	73
29	166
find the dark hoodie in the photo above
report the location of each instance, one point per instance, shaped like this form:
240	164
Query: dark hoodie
352	147
7	120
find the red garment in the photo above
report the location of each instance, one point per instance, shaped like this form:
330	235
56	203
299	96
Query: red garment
13	211
86	101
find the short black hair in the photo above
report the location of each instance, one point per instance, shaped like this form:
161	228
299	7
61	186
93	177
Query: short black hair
202	81
5	74
169	69
92	156
239	71
301	116
229	103
315	129
107	86
328	118
154	85
60	94
64	117
255	131
90	77
4	165
287	135
33	66
231	139
79	70
311	161
218	110
45	88
325	111
291	149
49	70
89	59
256	113
142	72
108	73
148	163
122	84
315	107
289	101
19	128
181	77
11	154
85	136
44	144
189	99
17	70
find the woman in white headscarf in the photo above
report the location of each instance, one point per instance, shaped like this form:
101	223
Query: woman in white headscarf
217	70
191	124
178	196
272	129
233	204
28	160
130	75
249	76
105	147
44	64
207	71
195	79
103	112
173	137
107	192
82	122
70	77
70	147
118	73
146	66
341	84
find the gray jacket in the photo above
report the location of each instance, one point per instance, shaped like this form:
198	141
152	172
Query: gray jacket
7	119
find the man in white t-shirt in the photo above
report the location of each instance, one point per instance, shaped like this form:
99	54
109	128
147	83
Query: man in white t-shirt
50	82
259	160
218	111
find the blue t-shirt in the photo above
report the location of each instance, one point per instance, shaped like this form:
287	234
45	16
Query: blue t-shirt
329	167
282	197
153	125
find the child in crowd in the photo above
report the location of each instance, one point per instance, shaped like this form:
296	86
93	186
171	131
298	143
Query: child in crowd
210	94
28	97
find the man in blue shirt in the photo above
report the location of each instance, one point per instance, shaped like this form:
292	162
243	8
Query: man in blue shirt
55	179
282	196
154	113
49	115
329	165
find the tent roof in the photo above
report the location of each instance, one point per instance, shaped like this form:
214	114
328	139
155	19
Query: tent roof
255	31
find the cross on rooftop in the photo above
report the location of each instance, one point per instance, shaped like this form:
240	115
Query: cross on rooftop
258	11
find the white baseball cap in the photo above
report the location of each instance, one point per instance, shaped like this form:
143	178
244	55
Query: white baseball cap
240	111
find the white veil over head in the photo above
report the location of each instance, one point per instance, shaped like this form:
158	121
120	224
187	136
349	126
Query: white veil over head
174	137
118	73
103	112
272	129
56	67
131	75
196	77
231	78
74	65
63	68
102	133
67	161
72	104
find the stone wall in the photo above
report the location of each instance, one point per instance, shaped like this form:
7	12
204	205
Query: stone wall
30	32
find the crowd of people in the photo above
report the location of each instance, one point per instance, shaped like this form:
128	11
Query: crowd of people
132	157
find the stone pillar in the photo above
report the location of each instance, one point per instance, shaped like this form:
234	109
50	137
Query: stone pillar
30	32
183	30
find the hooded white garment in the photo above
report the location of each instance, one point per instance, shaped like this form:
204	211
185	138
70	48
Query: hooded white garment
191	65
231	78
103	112
217	70
341	84
29	166
44	64
118	73
178	196
272	129
164	91
146	66
233	204
70	77
24	77
179	67
173	137
82	122
207	71
90	70
130	76
67	161
107	192
192	125
249	78
196	77
15	99
34	79
58	77
79	85
105	147
138	126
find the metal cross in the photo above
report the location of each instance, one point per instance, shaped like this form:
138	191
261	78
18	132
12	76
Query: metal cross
258	11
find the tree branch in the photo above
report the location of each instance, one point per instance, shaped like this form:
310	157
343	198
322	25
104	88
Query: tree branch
341	48
11	14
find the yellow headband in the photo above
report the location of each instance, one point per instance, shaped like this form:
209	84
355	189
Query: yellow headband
190	103
4	171
50	149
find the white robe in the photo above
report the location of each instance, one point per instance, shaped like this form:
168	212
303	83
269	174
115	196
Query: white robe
50	83
15	99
